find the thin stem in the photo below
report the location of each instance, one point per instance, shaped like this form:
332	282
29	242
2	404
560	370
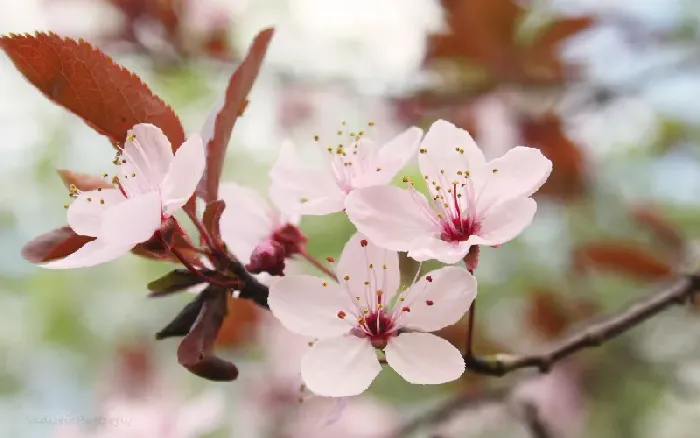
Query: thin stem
201	229
320	266
190	267
468	351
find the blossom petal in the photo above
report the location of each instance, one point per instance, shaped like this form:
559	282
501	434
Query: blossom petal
391	217
184	174
340	367
308	191
440	302
304	306
517	174
246	221
132	221
91	254
85	213
355	261
447	153
505	221
390	159
149	150
433	248
424	358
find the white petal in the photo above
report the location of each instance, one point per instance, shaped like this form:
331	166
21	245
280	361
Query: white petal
91	254
340	366
505	221
149	152
442	159
441	302
132	221
184	174
307	191
354	262
85	217
390	159
424	358
247	219
519	173
390	217
306	307
432	248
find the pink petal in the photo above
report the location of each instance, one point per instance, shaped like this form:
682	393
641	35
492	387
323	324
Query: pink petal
354	263
132	221
390	217
340	367
247	220
184	174
306	307
433	248
149	153
424	359
85	217
505	221
307	191
440	302
441	159
91	254
519	173
390	159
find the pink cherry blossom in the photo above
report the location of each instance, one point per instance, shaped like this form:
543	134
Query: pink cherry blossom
152	184
349	166
472	202
259	235
353	319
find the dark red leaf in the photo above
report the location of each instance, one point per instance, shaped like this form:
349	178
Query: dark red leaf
83	181
53	245
212	217
174	281
215	369
239	325
183	321
222	122
81	78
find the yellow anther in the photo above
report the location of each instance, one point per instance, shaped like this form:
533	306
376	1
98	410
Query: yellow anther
495	170
371	123
423	150
102	201
88	199
131	137
303	200
346	278
325	283
316	137
442	171
133	174
371	265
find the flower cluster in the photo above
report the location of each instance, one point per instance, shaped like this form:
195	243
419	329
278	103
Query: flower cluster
360	316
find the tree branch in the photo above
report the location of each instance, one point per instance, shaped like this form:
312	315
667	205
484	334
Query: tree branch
679	292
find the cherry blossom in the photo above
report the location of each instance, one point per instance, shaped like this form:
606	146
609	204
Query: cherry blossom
259	235
349	166
151	185
473	202
354	319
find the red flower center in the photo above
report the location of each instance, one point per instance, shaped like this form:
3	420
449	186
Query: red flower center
378	327
459	229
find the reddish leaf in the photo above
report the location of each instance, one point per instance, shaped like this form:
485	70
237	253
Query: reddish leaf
622	257
547	314
221	123
568	178
81	78
239	325
212	217
484	32
54	245
83	181
651	217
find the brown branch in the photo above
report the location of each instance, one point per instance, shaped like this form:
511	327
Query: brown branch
678	292
457	404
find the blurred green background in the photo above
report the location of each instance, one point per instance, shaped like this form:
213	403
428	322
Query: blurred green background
608	89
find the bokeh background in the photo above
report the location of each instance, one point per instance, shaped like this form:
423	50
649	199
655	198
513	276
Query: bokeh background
609	90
